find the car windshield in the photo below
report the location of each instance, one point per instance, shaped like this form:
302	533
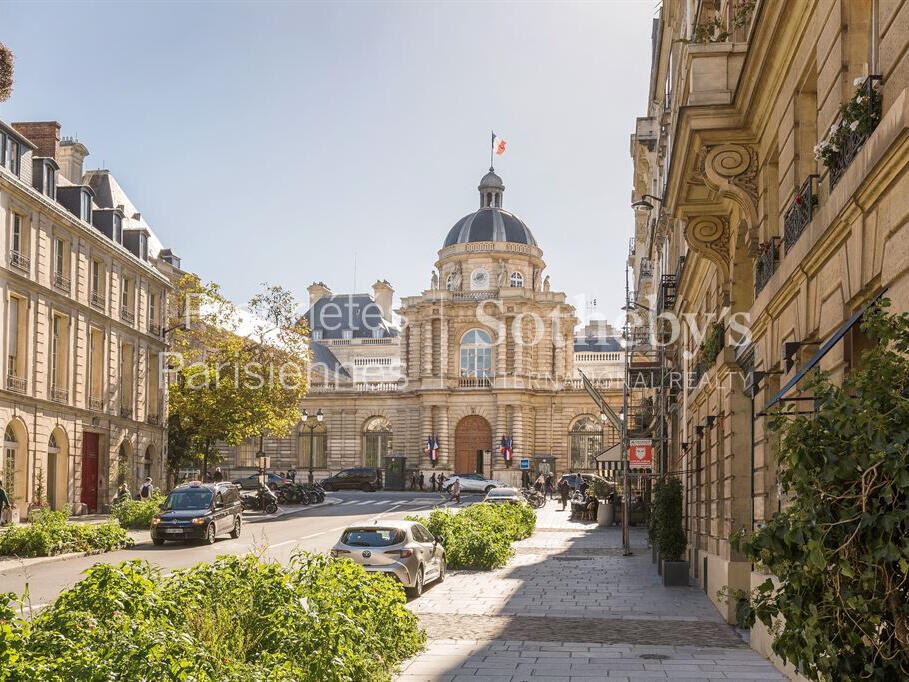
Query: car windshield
372	537
198	498
502	492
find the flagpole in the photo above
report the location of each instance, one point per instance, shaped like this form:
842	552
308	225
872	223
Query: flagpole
492	141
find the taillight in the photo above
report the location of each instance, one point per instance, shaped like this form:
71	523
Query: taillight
403	553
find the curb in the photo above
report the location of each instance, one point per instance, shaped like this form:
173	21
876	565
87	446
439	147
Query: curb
329	501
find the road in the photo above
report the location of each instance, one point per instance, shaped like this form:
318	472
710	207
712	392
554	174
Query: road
315	528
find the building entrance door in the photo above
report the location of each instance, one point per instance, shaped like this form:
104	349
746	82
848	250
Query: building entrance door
90	470
473	435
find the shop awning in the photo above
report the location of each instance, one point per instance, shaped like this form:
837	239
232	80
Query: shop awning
824	349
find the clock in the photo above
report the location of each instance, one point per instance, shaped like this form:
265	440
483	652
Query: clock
479	279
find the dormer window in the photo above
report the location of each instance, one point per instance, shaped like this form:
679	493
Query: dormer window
118	229
50	180
347	333
316	334
85	206
143	246
13	156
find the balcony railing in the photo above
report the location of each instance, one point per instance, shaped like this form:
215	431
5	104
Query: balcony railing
475	295
59	395
850	138
96	300
601	382
765	265
15	384
127	315
154	329
126	412
95	404
61	282
801	212
668	291
474	382
19	260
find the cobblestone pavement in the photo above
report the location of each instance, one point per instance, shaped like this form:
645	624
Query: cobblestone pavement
570	607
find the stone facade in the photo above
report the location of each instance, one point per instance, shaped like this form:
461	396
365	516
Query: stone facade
748	228
81	403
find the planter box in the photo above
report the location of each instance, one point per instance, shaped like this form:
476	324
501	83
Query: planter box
605	514
675	573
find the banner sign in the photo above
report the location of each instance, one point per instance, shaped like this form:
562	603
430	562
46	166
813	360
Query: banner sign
640	453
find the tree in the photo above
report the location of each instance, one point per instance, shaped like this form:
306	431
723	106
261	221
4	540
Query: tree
839	548
670	535
6	73
234	376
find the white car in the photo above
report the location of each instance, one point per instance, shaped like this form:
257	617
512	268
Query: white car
505	496
472	483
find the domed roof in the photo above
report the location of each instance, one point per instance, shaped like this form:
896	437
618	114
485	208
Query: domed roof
491	180
490	224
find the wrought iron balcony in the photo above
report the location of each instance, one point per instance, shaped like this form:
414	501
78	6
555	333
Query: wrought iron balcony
668	291
127	315
801	212
19	260
765	265
15	383
852	140
96	300
474	382
126	412
61	282
59	395
95	404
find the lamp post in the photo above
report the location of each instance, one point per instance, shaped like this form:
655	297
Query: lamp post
312	436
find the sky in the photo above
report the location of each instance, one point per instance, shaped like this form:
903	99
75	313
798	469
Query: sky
289	142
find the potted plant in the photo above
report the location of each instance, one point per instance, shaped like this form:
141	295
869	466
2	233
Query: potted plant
600	489
653	528
671	535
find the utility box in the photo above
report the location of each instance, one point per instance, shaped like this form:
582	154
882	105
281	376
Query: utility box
394	471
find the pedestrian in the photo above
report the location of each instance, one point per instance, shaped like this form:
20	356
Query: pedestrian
441	480
122	494
456	491
209	478
564	490
218	475
145	492
413	480
538	484
525	479
549	488
292	475
309	477
422	481
6	506
432	481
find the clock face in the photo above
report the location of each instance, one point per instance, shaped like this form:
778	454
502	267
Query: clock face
479	279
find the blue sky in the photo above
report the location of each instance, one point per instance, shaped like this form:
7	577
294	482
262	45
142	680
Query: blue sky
282	141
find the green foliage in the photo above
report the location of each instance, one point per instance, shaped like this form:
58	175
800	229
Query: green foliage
667	521
712	344
137	514
714	30
841	607
480	535
49	533
599	488
238	618
859	116
653	528
6	72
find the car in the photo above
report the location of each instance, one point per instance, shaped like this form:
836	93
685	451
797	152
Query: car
472	483
358	478
505	496
405	550
251	482
198	511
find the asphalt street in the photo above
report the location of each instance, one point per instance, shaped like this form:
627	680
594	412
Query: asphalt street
315	528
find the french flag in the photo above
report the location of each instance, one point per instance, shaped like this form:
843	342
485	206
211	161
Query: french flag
506	448
432	448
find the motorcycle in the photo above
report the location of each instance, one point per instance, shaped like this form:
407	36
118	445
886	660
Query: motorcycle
262	500
534	497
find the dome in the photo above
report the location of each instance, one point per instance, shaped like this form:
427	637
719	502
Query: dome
490	224
491	180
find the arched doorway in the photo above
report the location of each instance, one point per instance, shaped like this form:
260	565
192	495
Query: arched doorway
12	468
377	440
473	435
57	470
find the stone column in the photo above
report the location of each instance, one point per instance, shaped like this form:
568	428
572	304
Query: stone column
446	442
517	430
444	360
426	342
519	368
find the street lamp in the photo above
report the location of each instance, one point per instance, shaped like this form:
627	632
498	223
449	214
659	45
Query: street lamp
644	205
312	436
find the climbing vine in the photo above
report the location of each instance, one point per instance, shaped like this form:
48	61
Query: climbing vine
839	549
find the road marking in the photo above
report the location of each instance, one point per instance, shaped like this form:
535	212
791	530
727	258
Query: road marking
281	544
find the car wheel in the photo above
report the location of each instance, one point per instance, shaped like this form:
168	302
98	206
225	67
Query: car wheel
488	488
417	588
368	488
210	534
158	541
235	533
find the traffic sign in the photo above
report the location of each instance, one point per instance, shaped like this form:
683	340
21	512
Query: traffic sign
525	463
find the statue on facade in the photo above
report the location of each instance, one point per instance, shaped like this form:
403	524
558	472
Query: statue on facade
546	283
503	274
457	277
435	281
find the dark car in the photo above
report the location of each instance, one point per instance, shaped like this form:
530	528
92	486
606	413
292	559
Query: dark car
198	511
360	478
251	482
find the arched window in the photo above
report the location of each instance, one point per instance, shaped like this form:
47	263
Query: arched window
377	439
517	280
449	283
147	462
476	354
10	450
314	442
585	439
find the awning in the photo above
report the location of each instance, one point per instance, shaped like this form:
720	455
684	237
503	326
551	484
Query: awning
824	349
612	454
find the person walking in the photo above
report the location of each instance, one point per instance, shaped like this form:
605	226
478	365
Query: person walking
538	484
549	489
525	479
413	480
456	491
564	491
5	506
432	481
122	494
218	476
441	480
422	481
145	492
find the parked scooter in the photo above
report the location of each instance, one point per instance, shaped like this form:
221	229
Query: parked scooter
262	500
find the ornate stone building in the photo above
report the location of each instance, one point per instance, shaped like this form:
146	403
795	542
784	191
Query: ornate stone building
487	351
82	300
777	216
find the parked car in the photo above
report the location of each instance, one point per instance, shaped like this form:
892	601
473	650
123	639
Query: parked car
251	482
505	496
403	549
359	478
198	511
575	480
473	483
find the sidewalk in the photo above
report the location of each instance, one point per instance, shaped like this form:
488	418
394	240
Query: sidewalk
570	607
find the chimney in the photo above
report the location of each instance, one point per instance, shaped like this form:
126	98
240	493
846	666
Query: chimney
45	135
317	290
382	292
71	154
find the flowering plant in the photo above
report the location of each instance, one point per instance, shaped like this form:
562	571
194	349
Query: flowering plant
858	116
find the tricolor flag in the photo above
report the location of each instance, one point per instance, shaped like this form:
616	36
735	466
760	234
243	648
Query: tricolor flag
498	145
506	449
432	448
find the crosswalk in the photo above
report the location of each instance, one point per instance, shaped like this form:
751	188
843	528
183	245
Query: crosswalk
422	501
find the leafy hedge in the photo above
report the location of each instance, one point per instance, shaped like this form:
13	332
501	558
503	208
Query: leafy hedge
238	618
49	533
480	535
137	514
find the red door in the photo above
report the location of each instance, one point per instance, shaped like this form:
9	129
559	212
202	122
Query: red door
90	470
